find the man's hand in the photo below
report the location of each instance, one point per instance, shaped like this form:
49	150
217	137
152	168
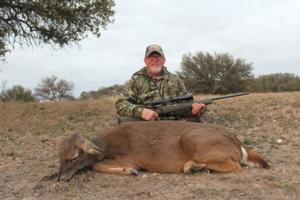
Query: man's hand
198	109
148	115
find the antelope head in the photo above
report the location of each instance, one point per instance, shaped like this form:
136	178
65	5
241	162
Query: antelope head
75	153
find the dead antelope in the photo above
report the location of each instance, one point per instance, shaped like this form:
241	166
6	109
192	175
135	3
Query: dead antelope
160	146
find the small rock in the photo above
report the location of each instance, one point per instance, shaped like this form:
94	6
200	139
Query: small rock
279	141
144	176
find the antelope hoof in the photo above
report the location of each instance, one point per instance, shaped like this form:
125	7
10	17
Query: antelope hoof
188	172
193	169
133	171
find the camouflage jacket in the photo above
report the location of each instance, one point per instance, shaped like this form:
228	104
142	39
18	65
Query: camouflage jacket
142	88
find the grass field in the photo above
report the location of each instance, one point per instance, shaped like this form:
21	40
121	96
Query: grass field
270	123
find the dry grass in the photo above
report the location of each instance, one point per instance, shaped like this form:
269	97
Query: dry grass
27	166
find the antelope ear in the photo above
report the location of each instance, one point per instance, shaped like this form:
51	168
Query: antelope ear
55	143
86	145
90	147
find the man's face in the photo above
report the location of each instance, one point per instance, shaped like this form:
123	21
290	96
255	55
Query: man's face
155	63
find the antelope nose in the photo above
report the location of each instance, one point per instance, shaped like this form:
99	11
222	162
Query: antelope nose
63	177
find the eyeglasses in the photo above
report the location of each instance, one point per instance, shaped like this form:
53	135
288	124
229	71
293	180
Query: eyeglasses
156	57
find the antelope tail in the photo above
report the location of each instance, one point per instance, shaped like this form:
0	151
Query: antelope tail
252	157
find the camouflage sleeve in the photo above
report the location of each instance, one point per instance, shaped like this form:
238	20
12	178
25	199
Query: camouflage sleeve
127	105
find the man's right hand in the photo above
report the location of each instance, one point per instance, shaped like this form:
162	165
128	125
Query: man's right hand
149	115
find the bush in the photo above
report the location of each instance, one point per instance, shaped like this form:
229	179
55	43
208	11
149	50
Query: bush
17	93
279	82
103	91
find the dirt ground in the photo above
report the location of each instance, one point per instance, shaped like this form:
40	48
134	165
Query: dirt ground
270	123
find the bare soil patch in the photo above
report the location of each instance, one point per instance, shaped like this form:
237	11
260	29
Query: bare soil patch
270	123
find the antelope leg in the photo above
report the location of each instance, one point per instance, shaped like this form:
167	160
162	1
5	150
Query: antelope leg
115	167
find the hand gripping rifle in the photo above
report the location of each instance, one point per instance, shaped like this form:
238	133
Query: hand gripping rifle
168	106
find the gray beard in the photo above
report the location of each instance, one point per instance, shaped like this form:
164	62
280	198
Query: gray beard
154	70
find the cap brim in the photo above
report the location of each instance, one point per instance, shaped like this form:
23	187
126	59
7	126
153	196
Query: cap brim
157	51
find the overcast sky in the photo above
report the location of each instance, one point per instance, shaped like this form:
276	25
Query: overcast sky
264	32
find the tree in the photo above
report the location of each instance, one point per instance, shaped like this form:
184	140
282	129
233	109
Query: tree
218	73
17	93
54	22
54	89
233	74
3	91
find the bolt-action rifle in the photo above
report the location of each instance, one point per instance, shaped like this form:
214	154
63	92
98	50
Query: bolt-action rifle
166	107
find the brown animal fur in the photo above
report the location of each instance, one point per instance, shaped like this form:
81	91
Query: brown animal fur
160	146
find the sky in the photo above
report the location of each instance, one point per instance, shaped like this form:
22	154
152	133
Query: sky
263	32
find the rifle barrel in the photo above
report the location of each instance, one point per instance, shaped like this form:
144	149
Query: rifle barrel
230	95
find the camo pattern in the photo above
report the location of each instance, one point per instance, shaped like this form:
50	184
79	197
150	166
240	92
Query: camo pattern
141	88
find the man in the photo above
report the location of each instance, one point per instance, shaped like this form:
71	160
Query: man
153	82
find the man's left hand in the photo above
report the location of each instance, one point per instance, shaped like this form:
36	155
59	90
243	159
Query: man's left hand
198	109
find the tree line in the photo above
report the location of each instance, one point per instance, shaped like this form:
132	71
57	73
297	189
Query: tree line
202	73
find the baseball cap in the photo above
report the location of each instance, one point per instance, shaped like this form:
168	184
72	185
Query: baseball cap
153	48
